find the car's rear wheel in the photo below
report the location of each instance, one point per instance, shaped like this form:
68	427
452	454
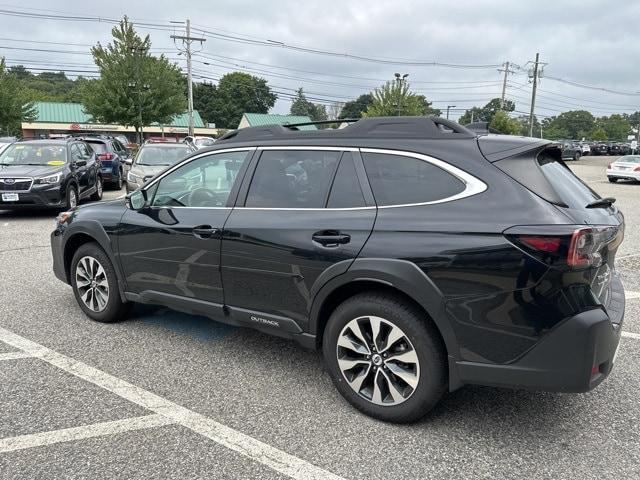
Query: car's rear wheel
71	200
385	357
95	284
613	179
117	184
99	190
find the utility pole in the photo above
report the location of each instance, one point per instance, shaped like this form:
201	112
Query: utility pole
536	75
187	40
504	83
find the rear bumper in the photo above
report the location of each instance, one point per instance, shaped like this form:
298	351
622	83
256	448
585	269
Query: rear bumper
576	356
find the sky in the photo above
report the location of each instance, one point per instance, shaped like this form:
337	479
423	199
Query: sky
337	50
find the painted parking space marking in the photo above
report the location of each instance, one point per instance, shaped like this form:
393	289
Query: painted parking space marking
631	335
629	295
79	433
15	355
256	450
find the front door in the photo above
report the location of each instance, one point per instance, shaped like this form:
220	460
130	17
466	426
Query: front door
172	247
304	213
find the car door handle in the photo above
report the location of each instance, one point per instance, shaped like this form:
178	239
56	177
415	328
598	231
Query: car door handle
331	238
204	231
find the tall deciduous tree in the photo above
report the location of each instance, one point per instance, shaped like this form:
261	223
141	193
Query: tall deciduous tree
501	123
395	98
14	108
486	113
135	88
355	108
235	94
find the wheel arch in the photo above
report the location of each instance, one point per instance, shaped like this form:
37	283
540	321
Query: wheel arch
397	277
89	232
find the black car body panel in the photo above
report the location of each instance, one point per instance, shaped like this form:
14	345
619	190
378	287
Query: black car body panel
507	315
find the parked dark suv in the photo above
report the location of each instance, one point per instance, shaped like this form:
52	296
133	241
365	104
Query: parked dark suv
48	173
112	155
417	255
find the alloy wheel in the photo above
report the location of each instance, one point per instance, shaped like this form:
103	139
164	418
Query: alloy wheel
100	187
73	199
378	360
92	284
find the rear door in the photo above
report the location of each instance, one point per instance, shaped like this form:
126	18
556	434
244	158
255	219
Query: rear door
301	211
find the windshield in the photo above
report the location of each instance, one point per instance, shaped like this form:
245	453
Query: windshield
40	154
205	142
629	159
161	156
98	147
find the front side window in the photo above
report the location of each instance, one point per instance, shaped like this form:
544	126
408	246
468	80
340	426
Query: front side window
402	180
205	182
292	179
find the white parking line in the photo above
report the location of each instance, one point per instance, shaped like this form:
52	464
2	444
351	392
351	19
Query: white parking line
629	295
631	335
15	355
78	433
239	442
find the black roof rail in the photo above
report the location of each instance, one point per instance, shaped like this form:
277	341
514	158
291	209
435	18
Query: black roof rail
370	127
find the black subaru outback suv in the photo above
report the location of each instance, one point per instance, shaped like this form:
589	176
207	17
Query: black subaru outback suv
48	174
417	255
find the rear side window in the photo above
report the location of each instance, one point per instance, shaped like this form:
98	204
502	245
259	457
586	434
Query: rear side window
571	190
401	180
292	179
346	191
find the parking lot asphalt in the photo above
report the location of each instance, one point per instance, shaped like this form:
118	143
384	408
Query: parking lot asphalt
169	395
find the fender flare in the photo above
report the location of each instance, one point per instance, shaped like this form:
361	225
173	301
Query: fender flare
402	275
94	229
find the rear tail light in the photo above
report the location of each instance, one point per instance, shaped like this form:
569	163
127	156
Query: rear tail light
609	166
105	156
571	247
637	169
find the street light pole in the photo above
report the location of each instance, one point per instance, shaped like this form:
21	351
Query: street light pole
448	107
400	79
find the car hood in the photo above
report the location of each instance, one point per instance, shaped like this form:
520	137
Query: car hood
12	171
148	171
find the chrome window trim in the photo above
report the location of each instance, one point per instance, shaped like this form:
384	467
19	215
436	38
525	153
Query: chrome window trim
309	147
293	209
19	179
473	186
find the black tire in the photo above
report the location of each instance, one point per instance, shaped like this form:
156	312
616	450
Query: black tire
115	309
613	179
576	156
117	184
97	196
72	199
426	342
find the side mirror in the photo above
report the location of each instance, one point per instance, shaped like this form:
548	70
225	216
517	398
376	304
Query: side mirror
137	200
128	161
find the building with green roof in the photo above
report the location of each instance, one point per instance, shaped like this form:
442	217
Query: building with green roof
59	119
259	119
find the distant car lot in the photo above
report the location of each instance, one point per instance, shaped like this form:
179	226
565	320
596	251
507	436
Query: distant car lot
243	380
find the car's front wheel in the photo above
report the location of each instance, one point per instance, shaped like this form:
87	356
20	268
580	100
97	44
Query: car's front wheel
71	200
95	284
576	156
385	357
117	184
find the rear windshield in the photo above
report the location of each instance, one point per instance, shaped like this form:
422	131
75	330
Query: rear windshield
98	147
165	155
571	190
629	159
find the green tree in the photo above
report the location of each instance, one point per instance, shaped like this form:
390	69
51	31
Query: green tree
239	92
355	108
486	113
616	126
395	98
302	106
598	134
501	123
575	123
14	107
134	88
